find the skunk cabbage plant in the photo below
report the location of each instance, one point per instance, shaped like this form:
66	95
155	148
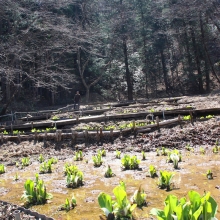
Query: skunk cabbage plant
35	192
139	197
152	171
120	208
165	180
197	208
130	162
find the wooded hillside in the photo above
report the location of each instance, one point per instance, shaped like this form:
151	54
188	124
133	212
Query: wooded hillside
117	49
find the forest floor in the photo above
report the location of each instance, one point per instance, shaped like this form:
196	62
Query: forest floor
200	134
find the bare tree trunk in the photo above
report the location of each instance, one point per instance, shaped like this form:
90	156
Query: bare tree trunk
206	51
197	62
81	71
128	74
164	70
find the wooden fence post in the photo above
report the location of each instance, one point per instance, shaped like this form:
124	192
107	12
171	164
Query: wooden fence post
45	135
35	135
191	117
60	135
2	138
97	135
179	120
57	136
133	125
19	137
157	122
111	134
86	135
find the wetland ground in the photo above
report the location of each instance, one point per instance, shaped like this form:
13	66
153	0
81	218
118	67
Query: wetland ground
189	176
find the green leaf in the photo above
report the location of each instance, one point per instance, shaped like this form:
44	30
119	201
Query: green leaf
159	213
195	200
105	202
171	202
120	195
214	206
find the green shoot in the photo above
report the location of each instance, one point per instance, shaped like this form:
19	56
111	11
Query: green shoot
209	175
41	158
2	168
78	156
25	161
198	207
165	179
68	205
46	167
139	197
118	154
121	208
35	192
74	180
202	150
143	155
16	178
152	171
130	162
109	172
97	160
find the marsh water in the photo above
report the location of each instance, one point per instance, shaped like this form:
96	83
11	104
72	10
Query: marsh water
191	175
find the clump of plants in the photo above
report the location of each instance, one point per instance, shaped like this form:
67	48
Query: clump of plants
143	155
78	155
165	180
109	127
55	118
130	162
215	149
69	168
53	160
2	168
69	204
186	117
41	158
97	160
25	161
152	171
74	180
35	192
209	116
108	172
202	150
120	208
197	208
158	152
5	132
175	157
46	167
102	152
164	151
16	132
209	175
16	178
139	197
189	148
74	177
33	130
118	154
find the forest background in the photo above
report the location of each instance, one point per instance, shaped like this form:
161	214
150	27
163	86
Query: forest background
109	50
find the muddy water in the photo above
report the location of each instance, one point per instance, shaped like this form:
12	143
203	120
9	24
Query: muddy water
189	176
